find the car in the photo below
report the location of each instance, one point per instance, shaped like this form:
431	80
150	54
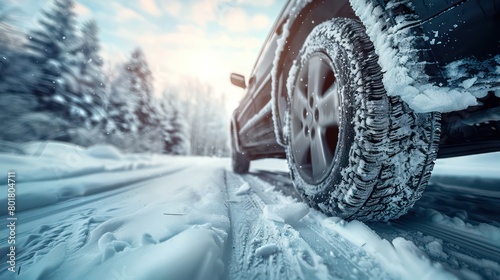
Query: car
362	96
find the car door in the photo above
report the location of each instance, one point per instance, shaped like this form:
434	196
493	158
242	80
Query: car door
259	130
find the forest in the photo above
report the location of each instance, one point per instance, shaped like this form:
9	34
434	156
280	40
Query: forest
55	85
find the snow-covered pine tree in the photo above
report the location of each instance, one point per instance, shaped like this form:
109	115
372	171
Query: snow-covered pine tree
121	104
133	107
141	86
89	92
50	44
174	125
69	82
83	88
17	102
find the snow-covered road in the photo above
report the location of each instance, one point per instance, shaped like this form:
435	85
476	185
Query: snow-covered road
99	214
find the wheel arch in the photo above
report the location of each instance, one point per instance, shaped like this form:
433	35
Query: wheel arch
298	28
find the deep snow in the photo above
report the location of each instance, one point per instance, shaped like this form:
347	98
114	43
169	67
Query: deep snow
99	214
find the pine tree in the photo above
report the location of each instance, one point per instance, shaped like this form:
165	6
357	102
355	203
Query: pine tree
88	93
51	48
131	95
133	107
20	122
174	126
121	105
141	86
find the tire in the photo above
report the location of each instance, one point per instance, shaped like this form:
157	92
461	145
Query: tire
240	163
353	151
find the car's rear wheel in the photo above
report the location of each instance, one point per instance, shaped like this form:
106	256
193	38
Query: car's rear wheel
240	162
353	151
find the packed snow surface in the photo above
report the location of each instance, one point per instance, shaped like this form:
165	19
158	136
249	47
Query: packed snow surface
96	213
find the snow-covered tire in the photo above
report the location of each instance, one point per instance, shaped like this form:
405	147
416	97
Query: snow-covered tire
378	154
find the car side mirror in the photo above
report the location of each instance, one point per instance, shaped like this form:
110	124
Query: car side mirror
238	80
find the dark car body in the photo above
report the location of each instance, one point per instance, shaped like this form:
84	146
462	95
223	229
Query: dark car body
446	31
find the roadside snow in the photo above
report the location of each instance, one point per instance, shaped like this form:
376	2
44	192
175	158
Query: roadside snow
481	165
158	223
102	214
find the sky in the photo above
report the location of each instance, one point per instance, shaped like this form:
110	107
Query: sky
201	39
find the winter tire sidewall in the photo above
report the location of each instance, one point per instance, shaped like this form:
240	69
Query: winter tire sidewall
363	182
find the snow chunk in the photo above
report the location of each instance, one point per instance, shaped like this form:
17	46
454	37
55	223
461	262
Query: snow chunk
104	152
244	189
148	239
286	213
435	248
432	98
266	250
469	82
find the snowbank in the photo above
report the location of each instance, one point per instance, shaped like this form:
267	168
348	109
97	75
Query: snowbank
158	220
77	172
481	165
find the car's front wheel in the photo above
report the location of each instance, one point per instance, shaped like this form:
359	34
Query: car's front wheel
353	151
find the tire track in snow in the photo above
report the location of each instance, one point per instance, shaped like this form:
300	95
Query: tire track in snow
250	231
306	250
481	247
343	259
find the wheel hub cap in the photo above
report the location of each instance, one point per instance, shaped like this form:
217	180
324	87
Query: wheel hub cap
315	118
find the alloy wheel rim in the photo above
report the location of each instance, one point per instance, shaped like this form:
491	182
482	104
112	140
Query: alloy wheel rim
315	118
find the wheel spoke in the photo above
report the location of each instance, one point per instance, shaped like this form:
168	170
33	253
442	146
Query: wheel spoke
296	114
301	147
300	100
317	71
315	112
329	107
320	155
